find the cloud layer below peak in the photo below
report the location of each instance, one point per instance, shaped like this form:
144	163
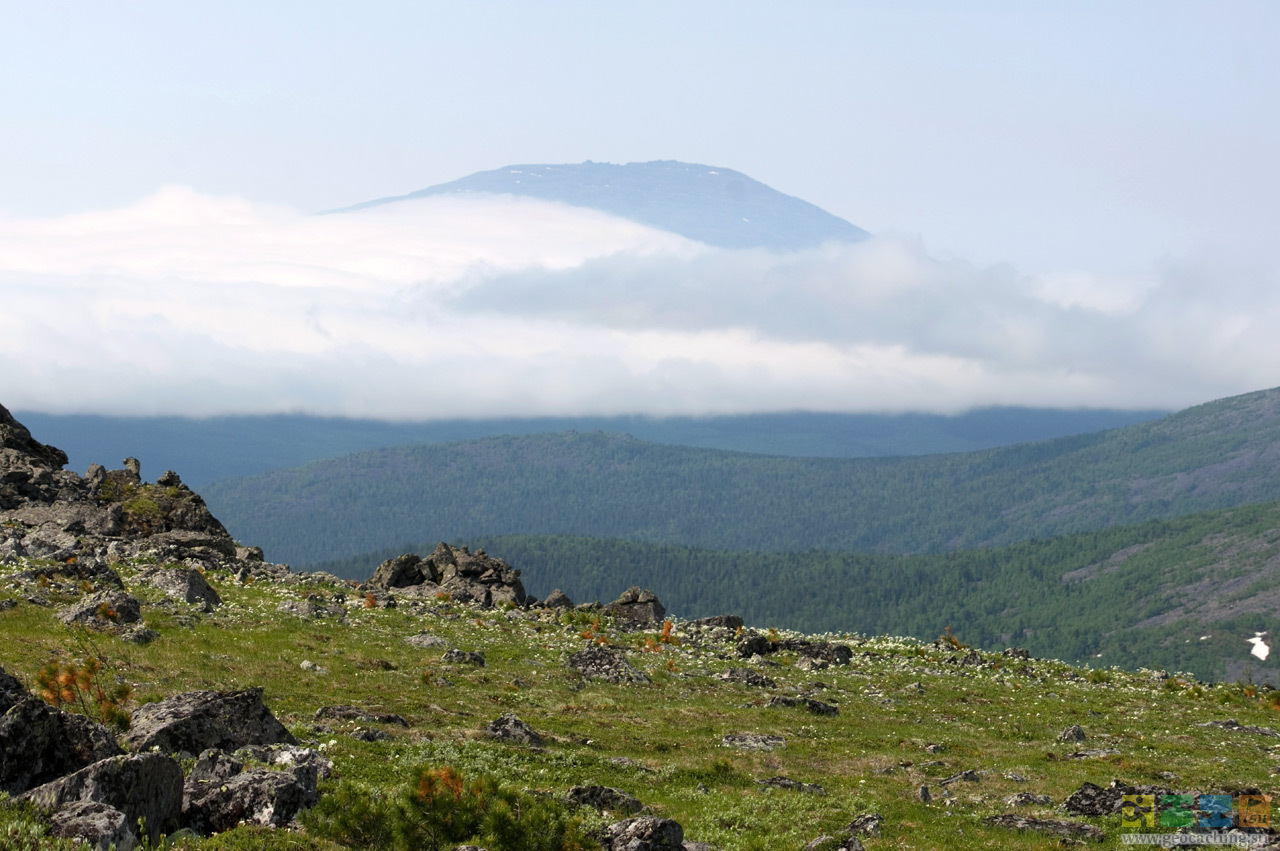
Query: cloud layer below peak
491	306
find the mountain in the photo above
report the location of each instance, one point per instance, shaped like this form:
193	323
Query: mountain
223	447
717	206
1216	455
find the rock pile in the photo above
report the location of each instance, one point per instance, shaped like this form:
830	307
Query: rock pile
456	571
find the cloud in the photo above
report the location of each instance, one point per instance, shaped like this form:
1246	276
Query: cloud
489	306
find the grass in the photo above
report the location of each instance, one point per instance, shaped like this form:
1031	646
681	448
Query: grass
910	715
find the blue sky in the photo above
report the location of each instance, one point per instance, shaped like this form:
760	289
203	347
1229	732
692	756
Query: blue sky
1083	151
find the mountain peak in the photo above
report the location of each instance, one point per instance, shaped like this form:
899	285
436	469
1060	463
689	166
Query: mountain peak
717	206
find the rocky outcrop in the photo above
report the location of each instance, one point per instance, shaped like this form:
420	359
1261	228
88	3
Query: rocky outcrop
200	720
99	825
603	798
605	663
509	728
104	611
221	792
1068	830
142	786
637	604
645	833
184	585
463	575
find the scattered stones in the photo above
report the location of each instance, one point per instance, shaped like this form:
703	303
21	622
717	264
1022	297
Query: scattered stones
817	707
355	713
1022	799
637	604
753	742
199	720
605	663
509	728
463	657
603	798
1067	829
780	782
746	676
1074	733
141	786
1236	727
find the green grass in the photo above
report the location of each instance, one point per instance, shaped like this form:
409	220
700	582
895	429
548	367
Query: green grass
1000	718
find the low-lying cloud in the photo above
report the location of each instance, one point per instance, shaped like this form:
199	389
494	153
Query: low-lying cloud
476	307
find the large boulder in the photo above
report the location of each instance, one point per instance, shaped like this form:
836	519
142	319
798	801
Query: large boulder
196	721
39	743
142	786
106	610
403	572
637	604
220	792
645	833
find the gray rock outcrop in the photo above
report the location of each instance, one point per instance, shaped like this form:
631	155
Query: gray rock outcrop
142	786
645	833
100	826
197	721
605	663
509	728
220	793
39	743
637	604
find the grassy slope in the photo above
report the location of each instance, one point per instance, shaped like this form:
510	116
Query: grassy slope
1135	595
1216	455
896	698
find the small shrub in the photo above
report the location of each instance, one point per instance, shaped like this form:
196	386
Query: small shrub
81	688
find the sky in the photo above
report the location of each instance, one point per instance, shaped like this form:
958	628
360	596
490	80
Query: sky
1074	205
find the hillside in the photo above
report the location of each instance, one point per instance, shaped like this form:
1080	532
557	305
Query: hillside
1183	594
717	206
600	485
411	712
223	447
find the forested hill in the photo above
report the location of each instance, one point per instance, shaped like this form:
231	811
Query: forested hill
1183	594
602	485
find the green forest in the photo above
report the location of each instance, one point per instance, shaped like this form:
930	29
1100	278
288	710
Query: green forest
1129	596
606	485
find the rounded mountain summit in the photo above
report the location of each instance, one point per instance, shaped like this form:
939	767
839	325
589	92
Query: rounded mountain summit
716	206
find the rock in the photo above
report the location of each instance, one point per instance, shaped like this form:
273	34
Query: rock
106	611
426	641
141	786
1093	800
753	742
716	621
746	676
355	713
184	585
308	665
637	604
557	599
1067	829
39	743
817	707
12	691
403	571
809	663
1237	727
831	843
754	644
645	833
603	798
199	720
780	782
924	794
509	728
476	577
605	663
313	608
1092	753
833	654
220	793
867	824
101	826
1072	734
463	657
969	776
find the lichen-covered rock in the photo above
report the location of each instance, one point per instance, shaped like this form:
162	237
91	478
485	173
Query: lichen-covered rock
509	728
100	826
185	585
453	656
817	707
196	721
605	663
746	676
142	786
220	792
1065	829
645	833
39	743
753	741
107	610
603	798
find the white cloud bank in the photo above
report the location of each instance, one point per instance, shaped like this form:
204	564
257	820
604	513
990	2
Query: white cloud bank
474	307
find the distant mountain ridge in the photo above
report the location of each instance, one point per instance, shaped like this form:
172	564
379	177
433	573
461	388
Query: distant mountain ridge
1216	455
717	206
